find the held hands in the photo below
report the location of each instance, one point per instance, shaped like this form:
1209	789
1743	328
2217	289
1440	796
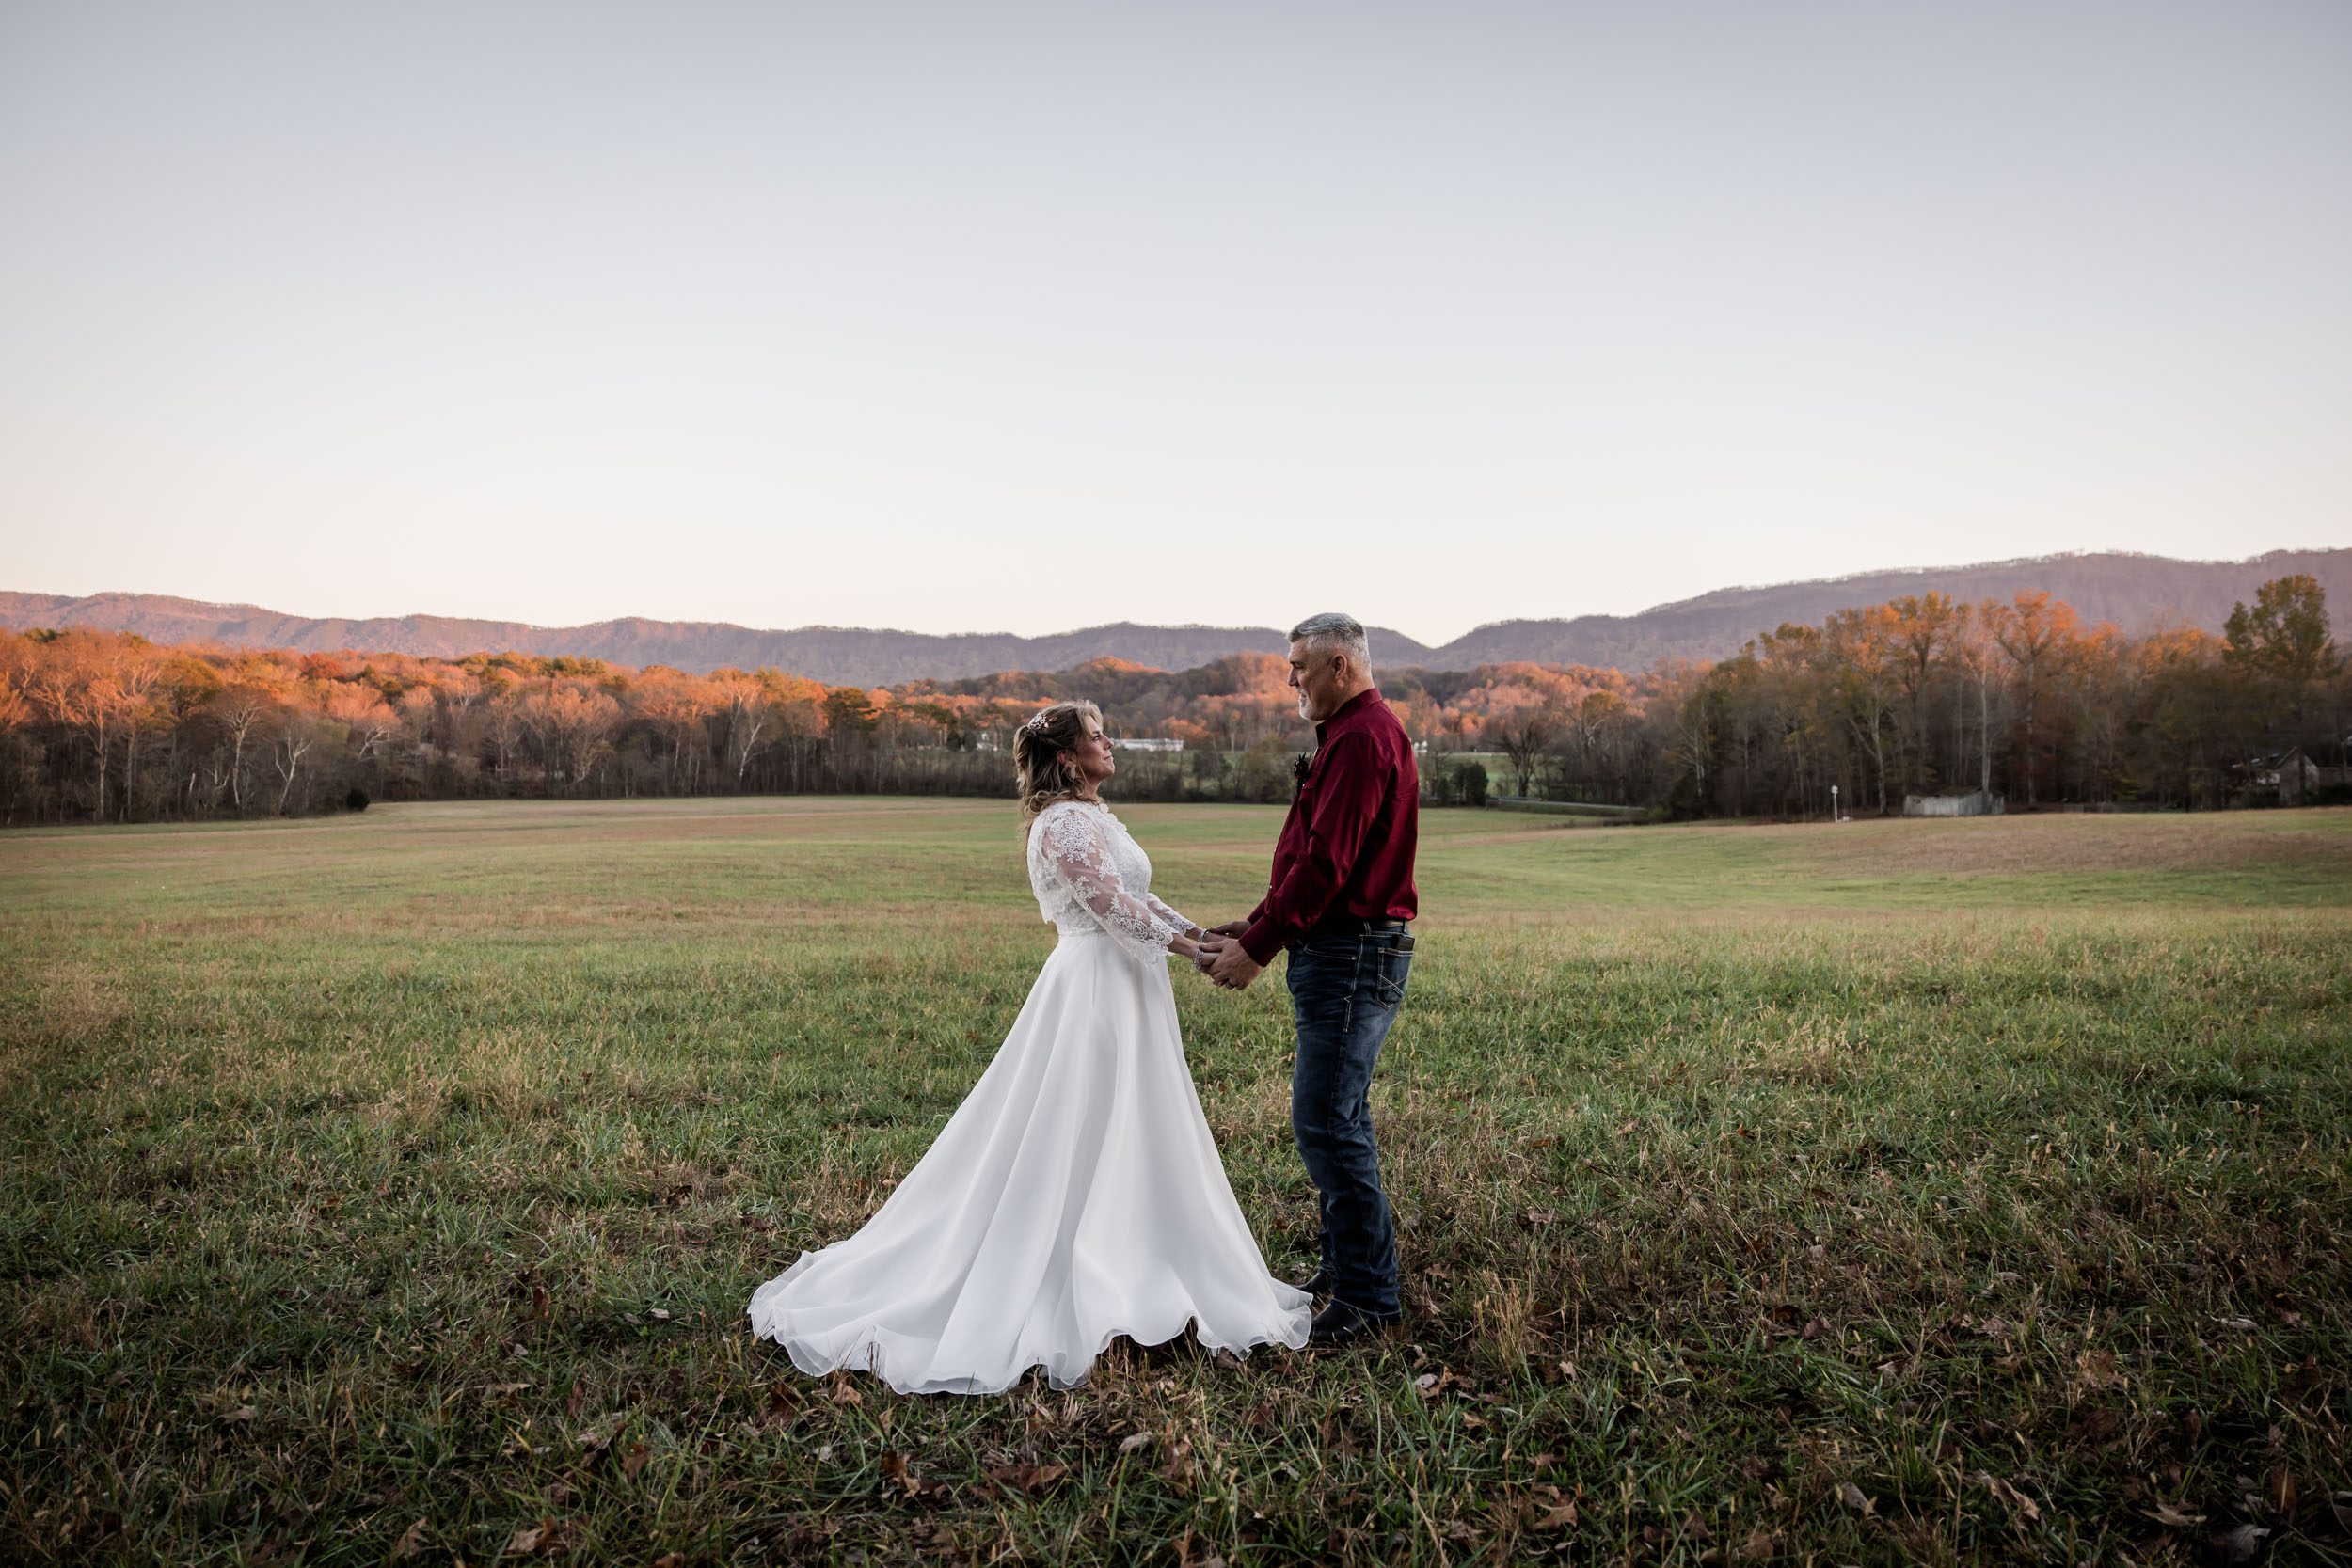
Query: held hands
1221	957
1206	941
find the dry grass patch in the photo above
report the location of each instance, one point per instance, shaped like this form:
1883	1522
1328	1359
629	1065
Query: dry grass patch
2028	844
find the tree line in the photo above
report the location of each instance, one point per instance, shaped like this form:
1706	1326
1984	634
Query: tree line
1917	695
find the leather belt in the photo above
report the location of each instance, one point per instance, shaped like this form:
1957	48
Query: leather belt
1354	924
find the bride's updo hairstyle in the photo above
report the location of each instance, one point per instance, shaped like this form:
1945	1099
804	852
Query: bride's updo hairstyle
1040	756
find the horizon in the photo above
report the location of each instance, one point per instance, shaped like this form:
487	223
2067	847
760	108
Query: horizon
779	318
1373	623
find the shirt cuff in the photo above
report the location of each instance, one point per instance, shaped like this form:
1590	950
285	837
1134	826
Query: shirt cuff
1262	942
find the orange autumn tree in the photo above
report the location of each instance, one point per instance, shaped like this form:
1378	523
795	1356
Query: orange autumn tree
1876	701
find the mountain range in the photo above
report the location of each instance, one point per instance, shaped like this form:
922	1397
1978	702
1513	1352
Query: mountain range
2136	591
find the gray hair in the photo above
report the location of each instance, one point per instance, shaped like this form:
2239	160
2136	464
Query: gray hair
1332	629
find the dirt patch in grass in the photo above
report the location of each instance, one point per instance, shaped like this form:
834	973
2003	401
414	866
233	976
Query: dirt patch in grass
2025	844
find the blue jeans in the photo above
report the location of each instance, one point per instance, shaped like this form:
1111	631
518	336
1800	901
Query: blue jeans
1344	992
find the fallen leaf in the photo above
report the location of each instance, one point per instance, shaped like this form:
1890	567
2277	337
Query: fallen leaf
1134	1440
1558	1516
243	1413
1757	1545
1030	1478
1814	1328
547	1537
635	1460
2026	1509
2240	1543
2173	1518
1853	1497
411	1541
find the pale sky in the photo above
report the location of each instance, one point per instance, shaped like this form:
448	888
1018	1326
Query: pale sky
1015	317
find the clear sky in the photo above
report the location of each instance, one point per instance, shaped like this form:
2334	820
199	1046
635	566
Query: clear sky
1019	317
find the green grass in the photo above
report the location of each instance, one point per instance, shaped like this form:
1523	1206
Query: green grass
1927	1190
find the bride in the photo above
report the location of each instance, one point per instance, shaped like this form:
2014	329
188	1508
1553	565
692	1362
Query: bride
1077	1195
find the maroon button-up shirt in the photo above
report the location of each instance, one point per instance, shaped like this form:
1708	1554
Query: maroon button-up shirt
1347	845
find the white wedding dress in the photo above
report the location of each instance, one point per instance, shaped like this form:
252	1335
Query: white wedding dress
1075	1195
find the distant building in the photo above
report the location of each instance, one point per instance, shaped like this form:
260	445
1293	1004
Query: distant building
2297	779
1975	802
1146	743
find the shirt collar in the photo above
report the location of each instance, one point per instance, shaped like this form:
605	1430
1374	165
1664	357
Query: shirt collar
1370	693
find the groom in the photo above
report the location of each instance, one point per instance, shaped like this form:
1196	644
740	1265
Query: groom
1341	900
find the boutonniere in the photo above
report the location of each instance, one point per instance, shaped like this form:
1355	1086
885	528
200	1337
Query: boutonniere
1299	764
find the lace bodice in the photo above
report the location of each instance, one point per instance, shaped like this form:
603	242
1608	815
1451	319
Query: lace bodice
1090	876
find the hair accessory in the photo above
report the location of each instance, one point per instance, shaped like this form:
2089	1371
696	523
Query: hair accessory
1036	724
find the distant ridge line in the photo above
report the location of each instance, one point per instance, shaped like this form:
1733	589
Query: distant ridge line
2133	590
1978	567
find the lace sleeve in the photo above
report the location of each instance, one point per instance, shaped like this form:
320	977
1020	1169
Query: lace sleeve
1185	925
1080	855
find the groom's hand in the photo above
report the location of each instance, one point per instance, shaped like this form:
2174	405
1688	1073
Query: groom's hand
1233	968
1231	929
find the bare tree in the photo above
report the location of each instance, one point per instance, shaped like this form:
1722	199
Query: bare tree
505	726
575	723
239	711
138	674
368	721
748	717
1524	736
76	683
297	733
2039	635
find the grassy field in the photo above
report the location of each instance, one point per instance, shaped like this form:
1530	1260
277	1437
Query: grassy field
390	1187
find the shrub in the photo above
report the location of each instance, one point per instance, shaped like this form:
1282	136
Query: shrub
357	799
